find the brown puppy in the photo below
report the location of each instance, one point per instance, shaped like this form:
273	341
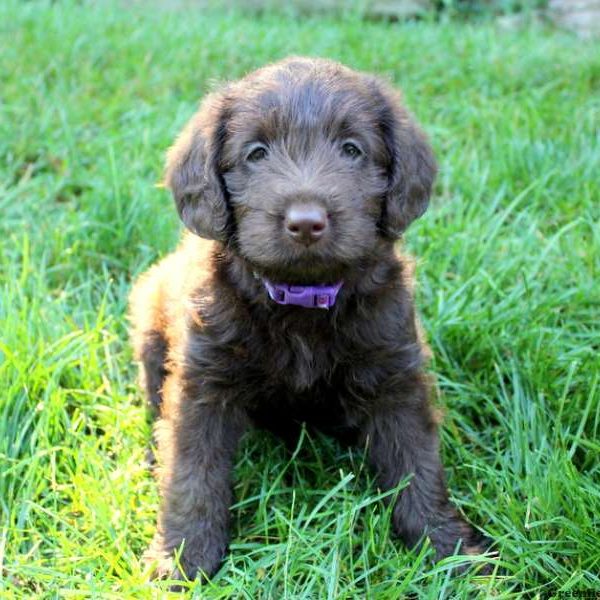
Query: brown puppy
303	174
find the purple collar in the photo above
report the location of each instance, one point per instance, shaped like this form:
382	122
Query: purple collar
309	296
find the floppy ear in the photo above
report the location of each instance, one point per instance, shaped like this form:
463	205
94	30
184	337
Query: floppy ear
411	166
192	171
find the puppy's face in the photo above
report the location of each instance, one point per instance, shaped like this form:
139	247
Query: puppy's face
305	173
305	165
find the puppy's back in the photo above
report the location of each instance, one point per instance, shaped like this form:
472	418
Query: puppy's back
159	299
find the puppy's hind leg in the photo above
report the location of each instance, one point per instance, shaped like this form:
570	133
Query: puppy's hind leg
153	370
152	355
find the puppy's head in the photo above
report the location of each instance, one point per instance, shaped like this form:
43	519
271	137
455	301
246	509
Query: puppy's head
304	166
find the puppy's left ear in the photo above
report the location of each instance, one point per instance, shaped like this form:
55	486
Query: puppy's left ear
411	165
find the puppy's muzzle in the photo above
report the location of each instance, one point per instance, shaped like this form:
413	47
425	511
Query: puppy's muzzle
306	223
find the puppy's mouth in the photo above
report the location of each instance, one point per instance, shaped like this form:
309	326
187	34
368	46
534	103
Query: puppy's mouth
295	264
304	271
283	260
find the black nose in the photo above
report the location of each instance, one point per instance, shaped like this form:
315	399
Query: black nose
306	223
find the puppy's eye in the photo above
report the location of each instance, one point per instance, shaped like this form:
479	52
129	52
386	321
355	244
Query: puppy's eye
257	153
351	150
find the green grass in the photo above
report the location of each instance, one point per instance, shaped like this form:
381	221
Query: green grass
509	268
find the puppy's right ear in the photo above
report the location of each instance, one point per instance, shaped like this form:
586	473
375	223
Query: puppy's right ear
193	174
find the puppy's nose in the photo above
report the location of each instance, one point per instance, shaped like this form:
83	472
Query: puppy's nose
306	223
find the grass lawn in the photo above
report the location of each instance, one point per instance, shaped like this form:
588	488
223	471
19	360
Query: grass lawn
509	291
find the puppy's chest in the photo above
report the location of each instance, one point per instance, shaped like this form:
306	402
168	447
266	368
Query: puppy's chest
298	359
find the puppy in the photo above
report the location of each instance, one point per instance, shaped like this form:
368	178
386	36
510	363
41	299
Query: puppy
286	301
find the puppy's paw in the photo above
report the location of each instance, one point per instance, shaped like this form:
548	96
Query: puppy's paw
458	537
164	566
480	547
182	564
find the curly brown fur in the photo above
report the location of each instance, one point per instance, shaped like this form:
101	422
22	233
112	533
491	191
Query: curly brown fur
218	355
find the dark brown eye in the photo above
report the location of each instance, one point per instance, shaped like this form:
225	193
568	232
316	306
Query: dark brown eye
351	150
257	153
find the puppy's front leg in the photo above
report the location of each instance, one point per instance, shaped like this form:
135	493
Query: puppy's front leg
197	440
403	441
